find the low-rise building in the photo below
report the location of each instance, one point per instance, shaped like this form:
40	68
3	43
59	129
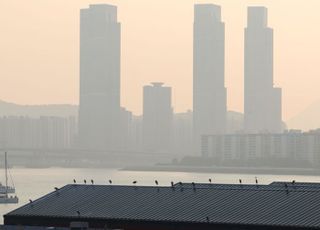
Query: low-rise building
293	145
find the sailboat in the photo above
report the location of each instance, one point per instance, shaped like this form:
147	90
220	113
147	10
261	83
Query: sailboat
5	190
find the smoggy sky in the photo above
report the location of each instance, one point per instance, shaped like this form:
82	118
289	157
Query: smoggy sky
39	50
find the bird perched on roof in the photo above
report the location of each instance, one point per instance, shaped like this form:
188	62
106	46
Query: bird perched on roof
256	180
78	213
85	181
240	181
55	188
92	182
157	183
210	180
172	184
134	182
74	181
110	181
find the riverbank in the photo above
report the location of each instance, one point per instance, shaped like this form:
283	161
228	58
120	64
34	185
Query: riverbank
227	170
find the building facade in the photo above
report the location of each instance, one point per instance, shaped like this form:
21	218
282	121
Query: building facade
37	133
157	118
291	145
99	112
262	102
209	92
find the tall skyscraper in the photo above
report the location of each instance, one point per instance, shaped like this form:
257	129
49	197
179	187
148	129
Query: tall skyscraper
99	77
209	92
262	102
157	118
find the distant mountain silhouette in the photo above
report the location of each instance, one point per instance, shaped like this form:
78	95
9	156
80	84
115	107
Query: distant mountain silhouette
307	119
59	110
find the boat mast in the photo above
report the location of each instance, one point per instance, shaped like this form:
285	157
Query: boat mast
6	171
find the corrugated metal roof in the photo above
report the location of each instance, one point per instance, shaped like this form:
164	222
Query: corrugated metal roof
230	204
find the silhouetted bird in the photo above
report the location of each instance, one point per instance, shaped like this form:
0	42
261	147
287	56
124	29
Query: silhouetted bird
56	188
85	181
157	183
172	184
180	183
210	180
256	180
293	182
134	182
92	182
30	201
78	213
74	181
193	184
240	181
110	181
207	218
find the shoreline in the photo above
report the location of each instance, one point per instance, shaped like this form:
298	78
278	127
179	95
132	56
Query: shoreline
228	170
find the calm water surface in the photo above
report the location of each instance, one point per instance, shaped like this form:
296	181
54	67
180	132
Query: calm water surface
33	183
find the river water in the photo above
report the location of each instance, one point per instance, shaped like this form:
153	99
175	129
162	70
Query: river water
33	183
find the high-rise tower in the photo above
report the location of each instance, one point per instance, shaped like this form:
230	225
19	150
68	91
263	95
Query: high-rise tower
157	117
209	92
262	102
99	77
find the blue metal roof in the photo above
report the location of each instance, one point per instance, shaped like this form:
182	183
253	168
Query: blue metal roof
264	205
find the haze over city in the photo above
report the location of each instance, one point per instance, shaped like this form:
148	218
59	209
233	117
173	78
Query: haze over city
159	114
40	50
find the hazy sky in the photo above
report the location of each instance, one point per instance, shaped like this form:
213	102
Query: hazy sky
39	50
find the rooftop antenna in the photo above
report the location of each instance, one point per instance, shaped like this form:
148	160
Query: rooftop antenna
110	181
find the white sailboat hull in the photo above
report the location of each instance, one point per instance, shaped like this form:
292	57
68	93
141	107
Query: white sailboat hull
9	200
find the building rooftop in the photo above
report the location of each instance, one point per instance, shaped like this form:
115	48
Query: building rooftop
281	204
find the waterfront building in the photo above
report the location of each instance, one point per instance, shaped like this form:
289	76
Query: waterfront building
291	145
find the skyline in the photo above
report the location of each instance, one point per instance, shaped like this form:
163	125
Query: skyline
132	83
